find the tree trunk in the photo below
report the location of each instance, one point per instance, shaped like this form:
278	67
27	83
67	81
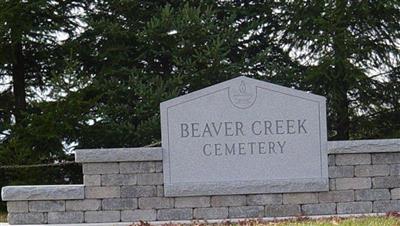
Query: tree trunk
341	82
343	120
18	77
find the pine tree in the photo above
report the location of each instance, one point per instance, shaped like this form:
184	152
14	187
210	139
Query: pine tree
141	54
30	56
341	43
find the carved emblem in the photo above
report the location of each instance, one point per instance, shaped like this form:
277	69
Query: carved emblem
243	96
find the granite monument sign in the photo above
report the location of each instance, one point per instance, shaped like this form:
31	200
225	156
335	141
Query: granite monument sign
244	136
228	145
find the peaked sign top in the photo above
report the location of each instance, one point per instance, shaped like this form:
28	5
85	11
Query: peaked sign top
245	88
244	136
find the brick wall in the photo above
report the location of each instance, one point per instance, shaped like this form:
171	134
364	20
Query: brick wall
364	178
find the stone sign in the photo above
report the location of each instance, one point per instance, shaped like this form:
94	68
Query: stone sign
244	136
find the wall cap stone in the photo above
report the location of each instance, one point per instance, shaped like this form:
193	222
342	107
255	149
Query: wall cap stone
42	192
119	154
155	153
363	146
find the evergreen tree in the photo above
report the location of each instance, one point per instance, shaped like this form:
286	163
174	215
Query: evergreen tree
104	85
30	56
139	54
341	43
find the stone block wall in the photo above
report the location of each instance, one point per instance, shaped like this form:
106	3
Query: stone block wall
127	185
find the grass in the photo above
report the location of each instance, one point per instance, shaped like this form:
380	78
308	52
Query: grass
361	221
3	216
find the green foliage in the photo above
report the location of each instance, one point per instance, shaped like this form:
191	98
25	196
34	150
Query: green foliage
102	86
142	60
30	56
165	50
341	43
